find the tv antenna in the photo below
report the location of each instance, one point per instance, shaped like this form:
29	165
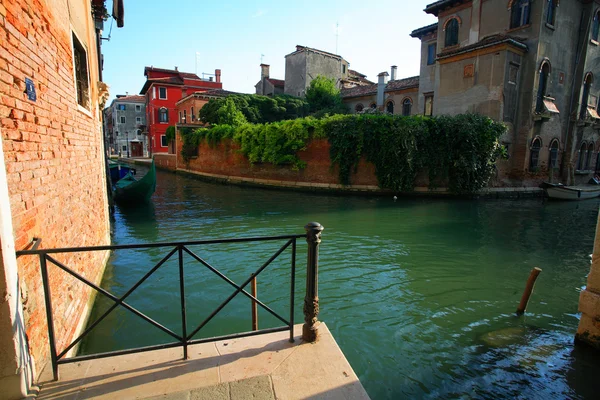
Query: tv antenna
261	58
337	35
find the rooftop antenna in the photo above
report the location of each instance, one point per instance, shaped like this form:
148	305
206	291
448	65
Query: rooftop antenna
337	35
261	58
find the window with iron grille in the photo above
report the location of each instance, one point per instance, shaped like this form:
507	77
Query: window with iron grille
81	73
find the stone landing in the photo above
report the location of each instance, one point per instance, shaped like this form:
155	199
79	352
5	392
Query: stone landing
259	367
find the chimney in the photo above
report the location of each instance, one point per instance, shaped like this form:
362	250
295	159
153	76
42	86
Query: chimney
176	69
381	84
394	72
126	93
264	70
218	75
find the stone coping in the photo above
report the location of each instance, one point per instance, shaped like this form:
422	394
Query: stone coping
296	370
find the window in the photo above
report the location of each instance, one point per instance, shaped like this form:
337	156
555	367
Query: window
153	93
81	73
553	159
588	157
406	107
192	115
428	105
122	119
138	108
163	141
596	26
163	115
452	32
390	107
550	16
519	13
124	148
534	154
587	84
359	107
582	156
343	68
184	116
162	93
431	54
543	85
121	107
138	120
180	117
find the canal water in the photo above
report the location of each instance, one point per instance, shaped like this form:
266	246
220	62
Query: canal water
419	293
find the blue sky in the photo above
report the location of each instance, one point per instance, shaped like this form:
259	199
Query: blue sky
232	35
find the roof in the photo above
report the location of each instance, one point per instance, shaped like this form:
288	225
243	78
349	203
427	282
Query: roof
435	8
426	30
487	41
277	82
355	76
170	80
352	72
369	90
300	48
209	93
187	75
132	98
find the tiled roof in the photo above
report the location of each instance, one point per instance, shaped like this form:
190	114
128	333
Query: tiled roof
134	98
369	90
188	75
420	32
485	42
352	72
355	76
277	82
435	8
302	48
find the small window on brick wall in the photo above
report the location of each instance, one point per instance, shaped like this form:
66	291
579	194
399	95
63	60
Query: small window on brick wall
163	141
81	73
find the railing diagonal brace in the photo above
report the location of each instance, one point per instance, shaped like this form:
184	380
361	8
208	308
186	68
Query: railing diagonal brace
235	285
239	289
118	301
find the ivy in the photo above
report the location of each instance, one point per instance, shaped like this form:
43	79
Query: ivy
170	133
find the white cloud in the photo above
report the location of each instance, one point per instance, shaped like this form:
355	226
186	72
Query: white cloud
259	14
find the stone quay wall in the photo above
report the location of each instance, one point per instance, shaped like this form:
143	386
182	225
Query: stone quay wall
53	151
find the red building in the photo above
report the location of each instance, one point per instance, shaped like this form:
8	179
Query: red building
163	89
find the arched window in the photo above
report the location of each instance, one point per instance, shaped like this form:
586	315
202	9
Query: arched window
551	14
534	153
587	84
451	32
406	107
163	115
588	156
582	156
596	26
543	86
553	159
390	107
359	107
519	13
373	106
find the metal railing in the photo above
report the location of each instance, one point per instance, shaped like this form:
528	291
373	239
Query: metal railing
310	309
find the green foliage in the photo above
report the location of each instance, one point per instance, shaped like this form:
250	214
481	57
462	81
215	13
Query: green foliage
324	97
459	151
190	140
170	133
229	114
256	109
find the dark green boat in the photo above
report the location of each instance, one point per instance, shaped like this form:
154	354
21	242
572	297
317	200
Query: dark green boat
129	190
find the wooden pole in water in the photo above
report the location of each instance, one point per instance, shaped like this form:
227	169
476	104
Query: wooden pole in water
254	307
528	290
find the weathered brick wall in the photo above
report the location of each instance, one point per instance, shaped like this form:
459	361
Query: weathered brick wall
166	161
53	155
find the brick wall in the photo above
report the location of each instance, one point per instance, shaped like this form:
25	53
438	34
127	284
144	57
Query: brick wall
53	154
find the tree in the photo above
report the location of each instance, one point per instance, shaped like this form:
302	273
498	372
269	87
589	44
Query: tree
229	114
323	95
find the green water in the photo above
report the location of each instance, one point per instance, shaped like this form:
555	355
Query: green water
419	293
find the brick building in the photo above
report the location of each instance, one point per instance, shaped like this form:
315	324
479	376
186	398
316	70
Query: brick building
52	174
188	108
124	124
162	90
531	64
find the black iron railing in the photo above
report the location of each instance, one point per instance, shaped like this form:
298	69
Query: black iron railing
311	305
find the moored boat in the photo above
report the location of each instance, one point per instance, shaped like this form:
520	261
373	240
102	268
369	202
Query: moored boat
129	190
119	171
581	192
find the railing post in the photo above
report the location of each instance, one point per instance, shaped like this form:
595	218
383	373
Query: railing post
311	300
49	318
254	306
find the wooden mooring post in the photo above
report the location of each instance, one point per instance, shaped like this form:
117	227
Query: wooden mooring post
528	290
311	300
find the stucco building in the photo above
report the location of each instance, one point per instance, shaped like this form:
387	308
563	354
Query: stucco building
52	174
529	63
162	90
268	86
124	126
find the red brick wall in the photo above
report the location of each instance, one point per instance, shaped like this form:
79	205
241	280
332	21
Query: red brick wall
53	155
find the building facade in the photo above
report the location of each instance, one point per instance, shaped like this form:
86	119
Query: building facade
162	90
124	126
305	64
268	86
52	175
528	63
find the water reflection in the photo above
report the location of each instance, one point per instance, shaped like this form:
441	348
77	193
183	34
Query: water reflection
419	293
